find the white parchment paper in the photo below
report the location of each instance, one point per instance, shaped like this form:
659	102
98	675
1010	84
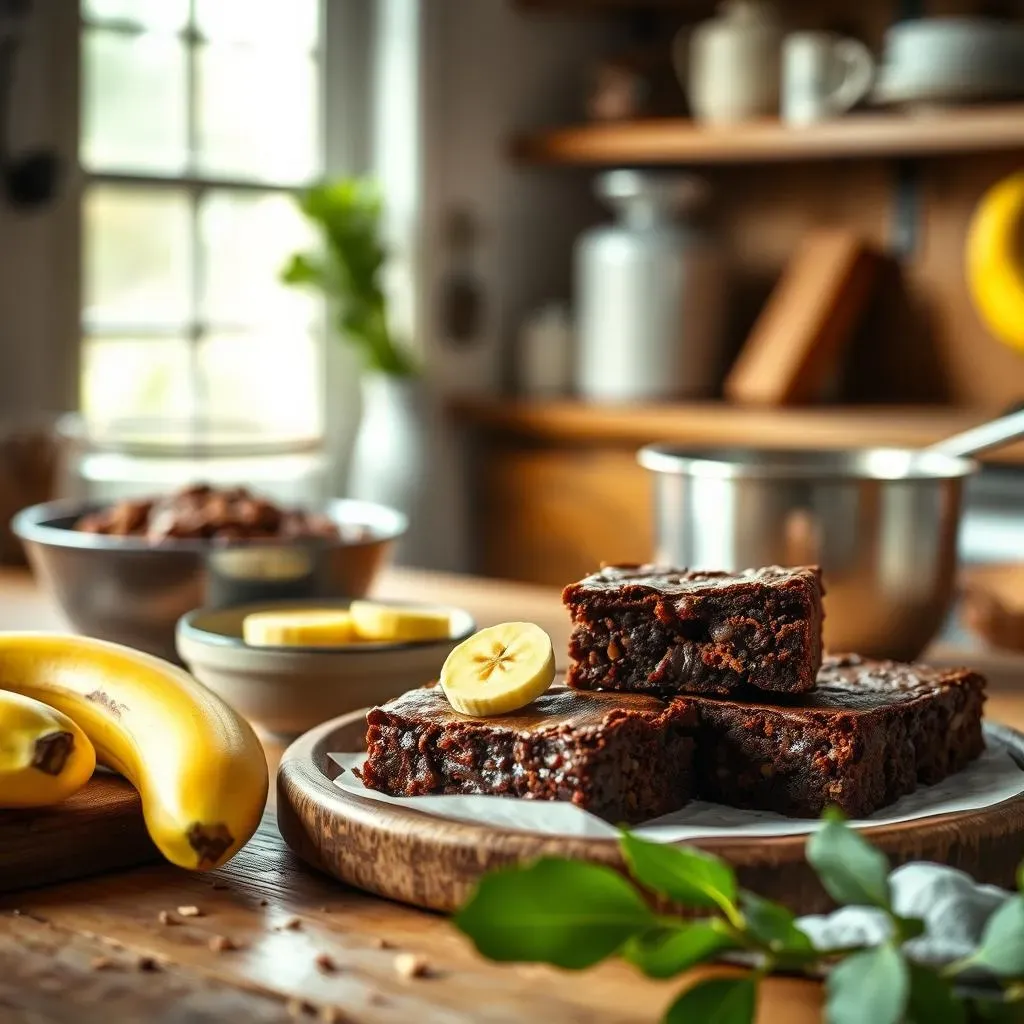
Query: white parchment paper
994	777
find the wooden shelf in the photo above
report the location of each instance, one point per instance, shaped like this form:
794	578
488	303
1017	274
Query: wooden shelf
703	424
676	141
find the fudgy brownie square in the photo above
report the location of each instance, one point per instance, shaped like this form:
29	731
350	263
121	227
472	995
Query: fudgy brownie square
624	757
671	631
869	733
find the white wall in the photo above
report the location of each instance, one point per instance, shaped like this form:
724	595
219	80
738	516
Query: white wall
38	251
488	70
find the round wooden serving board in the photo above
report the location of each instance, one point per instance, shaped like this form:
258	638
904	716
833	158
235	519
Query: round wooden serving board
433	863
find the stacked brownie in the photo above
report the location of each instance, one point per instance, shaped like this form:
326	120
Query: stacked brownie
777	729
688	685
640	629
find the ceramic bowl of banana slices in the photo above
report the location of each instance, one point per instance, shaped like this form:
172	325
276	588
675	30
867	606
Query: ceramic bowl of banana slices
289	666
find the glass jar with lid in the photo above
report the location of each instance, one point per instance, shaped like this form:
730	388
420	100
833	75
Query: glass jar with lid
651	290
139	457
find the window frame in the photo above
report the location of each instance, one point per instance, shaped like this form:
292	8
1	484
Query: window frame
345	54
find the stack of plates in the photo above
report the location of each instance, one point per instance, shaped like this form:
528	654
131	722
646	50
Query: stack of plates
951	60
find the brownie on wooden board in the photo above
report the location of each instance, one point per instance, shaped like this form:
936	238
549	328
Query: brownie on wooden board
869	733
624	757
646	629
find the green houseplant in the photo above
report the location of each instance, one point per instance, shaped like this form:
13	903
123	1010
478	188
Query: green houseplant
389	452
348	269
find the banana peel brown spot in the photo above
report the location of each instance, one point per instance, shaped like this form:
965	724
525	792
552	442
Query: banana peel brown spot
106	701
210	842
51	752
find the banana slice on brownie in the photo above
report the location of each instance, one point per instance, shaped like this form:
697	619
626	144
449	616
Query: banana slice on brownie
498	670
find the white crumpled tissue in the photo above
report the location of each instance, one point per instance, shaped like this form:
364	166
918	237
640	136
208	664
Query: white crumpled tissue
954	908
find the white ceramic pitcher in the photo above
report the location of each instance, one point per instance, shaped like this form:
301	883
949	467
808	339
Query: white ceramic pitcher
729	66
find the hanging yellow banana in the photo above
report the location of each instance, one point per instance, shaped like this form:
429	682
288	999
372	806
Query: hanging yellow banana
198	766
44	756
995	259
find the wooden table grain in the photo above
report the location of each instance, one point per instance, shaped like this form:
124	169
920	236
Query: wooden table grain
275	941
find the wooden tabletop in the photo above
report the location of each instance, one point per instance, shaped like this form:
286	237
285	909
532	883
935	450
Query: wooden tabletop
278	942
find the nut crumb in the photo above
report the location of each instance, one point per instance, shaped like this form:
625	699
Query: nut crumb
222	944
411	965
147	963
190	912
166	917
533	971
101	963
292	924
378	943
613	651
326	963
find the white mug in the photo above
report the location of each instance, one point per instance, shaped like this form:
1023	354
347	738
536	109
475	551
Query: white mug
823	75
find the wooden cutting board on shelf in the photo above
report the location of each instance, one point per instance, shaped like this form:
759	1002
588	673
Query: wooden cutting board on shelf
796	343
99	829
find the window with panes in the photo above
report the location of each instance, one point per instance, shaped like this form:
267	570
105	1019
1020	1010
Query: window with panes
199	120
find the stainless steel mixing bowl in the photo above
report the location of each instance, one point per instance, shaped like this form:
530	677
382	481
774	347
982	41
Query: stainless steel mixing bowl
132	592
881	523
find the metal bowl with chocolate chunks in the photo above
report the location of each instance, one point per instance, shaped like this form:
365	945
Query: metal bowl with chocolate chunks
128	571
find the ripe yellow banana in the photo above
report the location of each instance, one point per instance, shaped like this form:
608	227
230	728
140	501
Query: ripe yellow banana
44	756
995	259
197	765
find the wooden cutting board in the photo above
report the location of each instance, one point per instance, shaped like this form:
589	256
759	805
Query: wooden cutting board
98	829
798	339
434	863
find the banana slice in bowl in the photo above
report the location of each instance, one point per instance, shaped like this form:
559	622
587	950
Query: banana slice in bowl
389	623
304	628
295	678
362	622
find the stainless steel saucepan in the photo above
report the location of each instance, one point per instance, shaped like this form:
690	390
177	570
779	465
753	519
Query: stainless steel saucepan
882	523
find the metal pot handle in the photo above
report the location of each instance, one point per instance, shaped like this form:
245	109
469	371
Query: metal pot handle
994	434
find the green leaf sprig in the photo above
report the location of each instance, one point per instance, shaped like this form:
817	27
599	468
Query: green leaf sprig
348	270
573	915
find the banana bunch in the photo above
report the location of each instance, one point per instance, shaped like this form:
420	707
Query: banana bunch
995	260
71	701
